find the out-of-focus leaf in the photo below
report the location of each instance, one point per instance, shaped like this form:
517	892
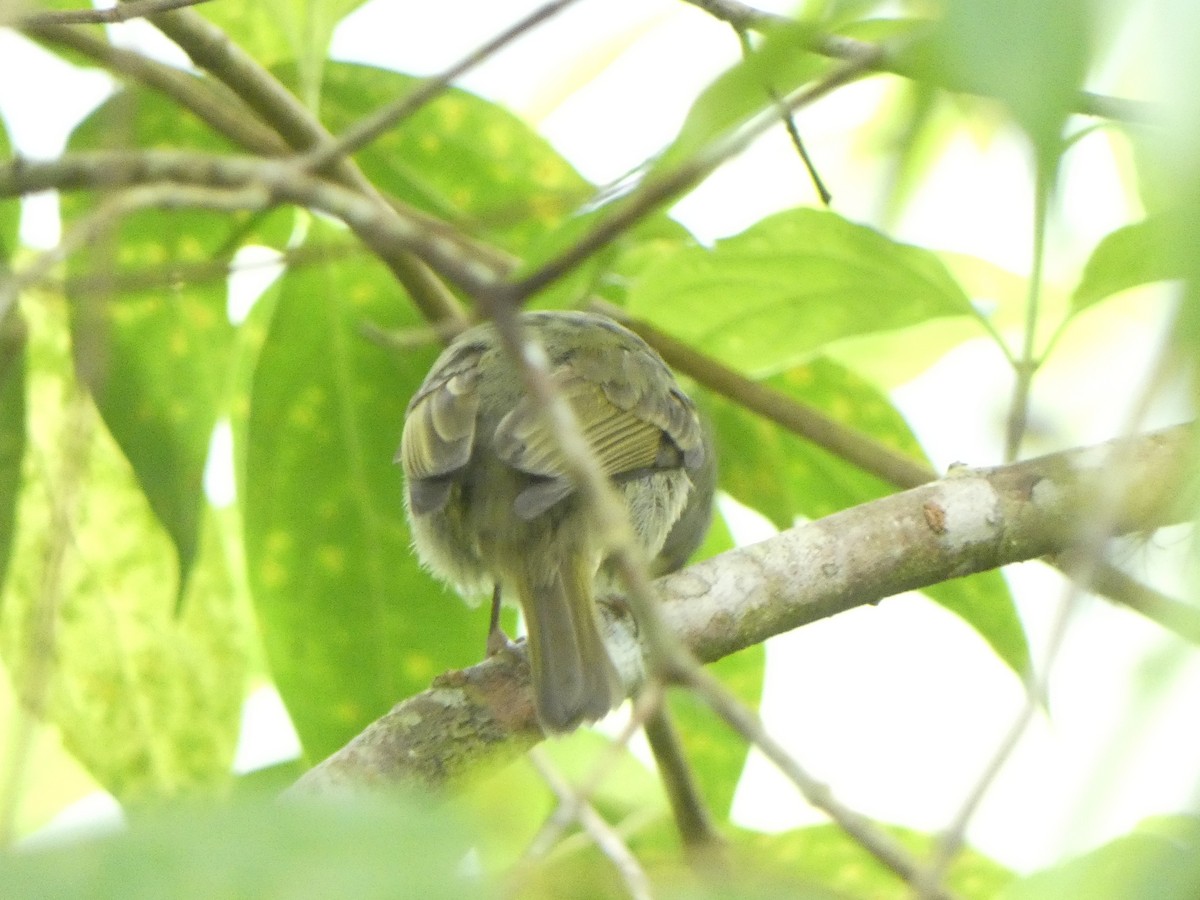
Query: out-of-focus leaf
12	379
460	157
12	427
984	602
1160	860
350	621
825	855
506	808
276	31
781	63
763	300
716	754
1031	55
10	210
784	477
817	863
150	329
1136	254
148	701
406	849
53	779
608	273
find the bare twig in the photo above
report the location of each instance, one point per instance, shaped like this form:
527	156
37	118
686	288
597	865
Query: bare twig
572	802
699	834
134	9
744	17
789	123
863	830
359	135
674	182
211	49
87	229
37	662
854	446
575	807
1082	558
261	184
210	101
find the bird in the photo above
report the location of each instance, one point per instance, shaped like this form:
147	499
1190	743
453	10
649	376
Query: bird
491	506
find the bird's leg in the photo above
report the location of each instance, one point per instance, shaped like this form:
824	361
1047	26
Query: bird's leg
497	640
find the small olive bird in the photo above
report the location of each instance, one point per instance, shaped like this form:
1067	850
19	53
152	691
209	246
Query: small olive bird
491	505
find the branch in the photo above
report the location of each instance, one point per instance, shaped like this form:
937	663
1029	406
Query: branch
970	521
385	230
374	125
135	9
744	17
209	101
212	50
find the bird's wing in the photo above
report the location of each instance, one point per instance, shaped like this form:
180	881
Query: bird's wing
633	422
439	430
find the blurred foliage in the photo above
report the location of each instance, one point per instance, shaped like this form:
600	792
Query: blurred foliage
132	609
403	848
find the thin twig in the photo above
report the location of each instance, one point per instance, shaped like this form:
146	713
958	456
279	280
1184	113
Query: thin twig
134	9
667	656
1095	527
743	17
85	230
211	49
261	184
856	447
1027	364
368	129
40	645
568	809
603	835
863	830
789	123
699	835
673	183
210	101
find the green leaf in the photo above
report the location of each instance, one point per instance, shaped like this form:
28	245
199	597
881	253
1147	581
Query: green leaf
148	701
825	856
785	477
52	778
151	334
301	850
12	427
460	157
1136	254
985	602
275	31
1160	860
1030	54
781	63
351	623
10	210
715	752
763	300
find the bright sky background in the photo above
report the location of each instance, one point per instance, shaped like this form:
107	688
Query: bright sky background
900	706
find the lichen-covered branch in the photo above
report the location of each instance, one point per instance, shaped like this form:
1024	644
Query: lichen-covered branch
970	521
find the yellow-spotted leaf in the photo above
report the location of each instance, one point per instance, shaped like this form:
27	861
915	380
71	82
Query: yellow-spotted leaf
151	334
351	623
464	159
147	700
768	298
